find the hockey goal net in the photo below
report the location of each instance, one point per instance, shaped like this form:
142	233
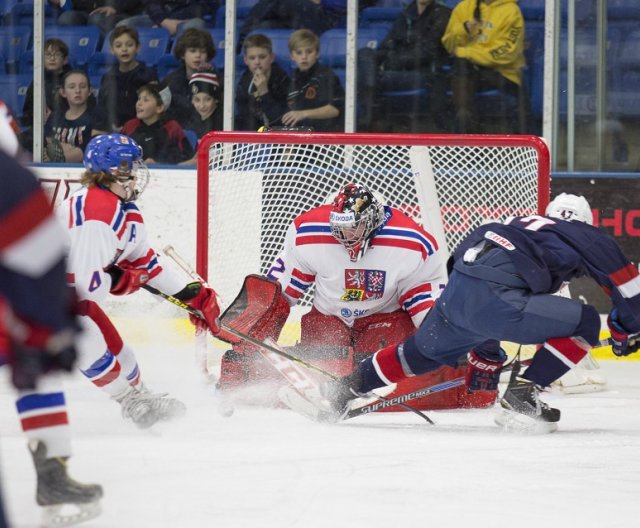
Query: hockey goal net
252	185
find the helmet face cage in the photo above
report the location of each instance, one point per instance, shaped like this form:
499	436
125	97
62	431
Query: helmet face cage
121	157
570	207
356	214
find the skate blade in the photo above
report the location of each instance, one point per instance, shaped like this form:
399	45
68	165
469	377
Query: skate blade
69	514
514	422
584	388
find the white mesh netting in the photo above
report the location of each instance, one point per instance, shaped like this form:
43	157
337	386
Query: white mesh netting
256	189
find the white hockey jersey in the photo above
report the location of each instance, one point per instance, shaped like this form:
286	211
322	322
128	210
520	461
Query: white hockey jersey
105	231
401	269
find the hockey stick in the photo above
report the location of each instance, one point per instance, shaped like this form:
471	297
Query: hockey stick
292	378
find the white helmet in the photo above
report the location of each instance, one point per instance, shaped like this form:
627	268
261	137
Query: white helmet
570	207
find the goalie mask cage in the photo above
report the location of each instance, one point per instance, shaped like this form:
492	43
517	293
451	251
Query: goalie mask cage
252	185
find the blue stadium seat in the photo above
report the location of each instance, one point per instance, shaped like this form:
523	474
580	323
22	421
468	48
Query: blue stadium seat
393	3
192	138
6	6
624	93
154	43
82	41
13	90
242	11
378	17
14	41
22	14
100	63
333	44
166	64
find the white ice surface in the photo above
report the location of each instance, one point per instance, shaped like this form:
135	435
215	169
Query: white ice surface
272	468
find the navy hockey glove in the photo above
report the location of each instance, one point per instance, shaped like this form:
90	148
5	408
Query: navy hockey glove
483	374
622	342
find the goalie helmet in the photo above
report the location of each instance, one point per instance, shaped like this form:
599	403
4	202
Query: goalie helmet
570	207
355	216
121	157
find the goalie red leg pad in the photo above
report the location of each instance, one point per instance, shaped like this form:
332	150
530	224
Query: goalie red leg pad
455	398
556	357
326	342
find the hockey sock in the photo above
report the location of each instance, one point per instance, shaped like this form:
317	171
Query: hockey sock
556	357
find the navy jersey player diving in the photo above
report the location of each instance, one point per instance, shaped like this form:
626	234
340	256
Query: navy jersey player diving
501	287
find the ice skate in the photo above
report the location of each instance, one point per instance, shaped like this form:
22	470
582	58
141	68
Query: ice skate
164	407
524	412
137	407
65	501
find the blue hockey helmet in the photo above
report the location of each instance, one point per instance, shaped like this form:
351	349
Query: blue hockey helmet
121	157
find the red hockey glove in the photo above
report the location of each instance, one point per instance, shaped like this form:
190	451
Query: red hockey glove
482	374
127	280
622	342
206	302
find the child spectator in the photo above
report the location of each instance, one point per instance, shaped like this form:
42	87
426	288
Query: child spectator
261	95
162	140
119	86
56	65
194	49
207	114
68	130
316	97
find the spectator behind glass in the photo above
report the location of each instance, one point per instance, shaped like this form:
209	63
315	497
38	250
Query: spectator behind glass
261	95
316	15
316	97
162	140
119	86
68	130
207	111
410	57
183	14
104	14
486	39
195	50
56	64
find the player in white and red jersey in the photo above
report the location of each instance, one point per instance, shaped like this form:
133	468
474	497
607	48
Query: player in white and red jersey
110	254
376	274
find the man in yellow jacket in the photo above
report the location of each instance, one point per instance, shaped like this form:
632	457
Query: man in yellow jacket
486	39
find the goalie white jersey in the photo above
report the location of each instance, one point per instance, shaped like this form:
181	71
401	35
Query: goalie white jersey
401	269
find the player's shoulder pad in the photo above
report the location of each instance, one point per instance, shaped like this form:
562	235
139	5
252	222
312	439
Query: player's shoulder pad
100	205
317	215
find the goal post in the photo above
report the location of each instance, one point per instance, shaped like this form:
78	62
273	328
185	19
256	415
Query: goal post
252	185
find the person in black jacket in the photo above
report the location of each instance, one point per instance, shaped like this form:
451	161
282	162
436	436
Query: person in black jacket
104	14
410	57
261	95
162	140
119	86
316	97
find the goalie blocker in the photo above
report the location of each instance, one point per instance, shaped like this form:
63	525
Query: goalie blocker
261	311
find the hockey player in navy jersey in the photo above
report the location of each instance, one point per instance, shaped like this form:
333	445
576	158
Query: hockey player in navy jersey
501	286
110	253
38	333
376	273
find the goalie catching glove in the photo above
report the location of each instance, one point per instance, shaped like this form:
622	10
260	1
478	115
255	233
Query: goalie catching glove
622	342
